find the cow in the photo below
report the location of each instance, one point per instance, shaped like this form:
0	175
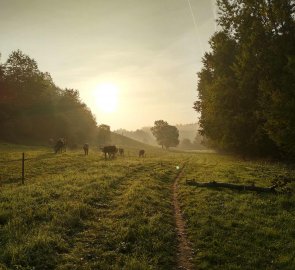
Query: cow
60	146
109	150
121	151
141	153
86	149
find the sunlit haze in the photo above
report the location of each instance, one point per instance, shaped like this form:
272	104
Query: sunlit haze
133	62
106	97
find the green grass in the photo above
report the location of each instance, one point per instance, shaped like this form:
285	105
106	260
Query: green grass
77	212
82	212
238	230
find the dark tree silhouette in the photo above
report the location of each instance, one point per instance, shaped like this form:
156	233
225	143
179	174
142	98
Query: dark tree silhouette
33	109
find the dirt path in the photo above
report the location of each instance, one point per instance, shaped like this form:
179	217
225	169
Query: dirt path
184	253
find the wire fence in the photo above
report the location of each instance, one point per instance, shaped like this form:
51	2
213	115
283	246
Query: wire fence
14	170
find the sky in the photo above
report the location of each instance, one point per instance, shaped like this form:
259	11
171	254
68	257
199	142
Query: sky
144	53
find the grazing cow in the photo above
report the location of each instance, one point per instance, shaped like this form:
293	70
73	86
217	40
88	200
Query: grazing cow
109	150
141	153
60	145
121	151
86	148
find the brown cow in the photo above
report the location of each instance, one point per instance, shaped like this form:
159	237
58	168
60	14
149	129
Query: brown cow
141	153
86	149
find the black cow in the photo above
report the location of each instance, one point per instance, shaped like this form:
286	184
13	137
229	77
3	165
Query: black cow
110	150
86	149
60	146
141	153
121	151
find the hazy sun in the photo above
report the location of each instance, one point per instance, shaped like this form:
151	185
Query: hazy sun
106	96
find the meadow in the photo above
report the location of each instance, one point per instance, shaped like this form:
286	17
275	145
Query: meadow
84	212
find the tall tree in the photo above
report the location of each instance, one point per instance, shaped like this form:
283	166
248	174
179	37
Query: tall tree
166	135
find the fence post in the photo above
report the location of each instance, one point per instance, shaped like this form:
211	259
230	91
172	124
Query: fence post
23	168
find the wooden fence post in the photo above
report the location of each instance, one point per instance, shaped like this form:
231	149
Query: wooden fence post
23	168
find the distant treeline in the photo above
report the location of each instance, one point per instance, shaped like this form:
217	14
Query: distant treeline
34	110
247	84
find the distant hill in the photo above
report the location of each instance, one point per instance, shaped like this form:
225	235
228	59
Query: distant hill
143	135
188	136
188	131
124	141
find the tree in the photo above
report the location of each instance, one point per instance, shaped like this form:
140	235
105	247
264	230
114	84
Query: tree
245	87
103	134
33	109
166	135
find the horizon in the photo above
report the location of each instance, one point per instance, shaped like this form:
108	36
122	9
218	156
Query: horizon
148	127
130	67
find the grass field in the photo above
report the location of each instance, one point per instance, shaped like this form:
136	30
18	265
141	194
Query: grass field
82	212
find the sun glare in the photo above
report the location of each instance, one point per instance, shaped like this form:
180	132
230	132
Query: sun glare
106	96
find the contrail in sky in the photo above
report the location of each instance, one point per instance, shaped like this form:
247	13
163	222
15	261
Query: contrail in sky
196	26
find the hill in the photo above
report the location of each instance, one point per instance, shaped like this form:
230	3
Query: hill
187	132
124	141
143	135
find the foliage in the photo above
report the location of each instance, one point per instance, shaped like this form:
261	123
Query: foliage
33	109
165	134
246	86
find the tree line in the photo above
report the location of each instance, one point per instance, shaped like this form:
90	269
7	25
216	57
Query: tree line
247	84
33	109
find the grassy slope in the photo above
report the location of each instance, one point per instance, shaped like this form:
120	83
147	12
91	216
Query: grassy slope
77	212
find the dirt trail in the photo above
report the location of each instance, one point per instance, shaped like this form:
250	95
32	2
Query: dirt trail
184	253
